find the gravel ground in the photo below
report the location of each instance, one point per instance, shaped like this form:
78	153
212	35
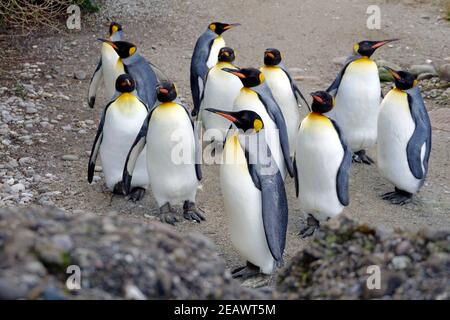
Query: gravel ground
46	127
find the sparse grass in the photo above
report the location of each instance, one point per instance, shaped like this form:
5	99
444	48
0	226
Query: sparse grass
446	4
20	90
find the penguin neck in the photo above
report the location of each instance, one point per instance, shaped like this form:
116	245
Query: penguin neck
224	64
270	68
134	58
116	36
168	104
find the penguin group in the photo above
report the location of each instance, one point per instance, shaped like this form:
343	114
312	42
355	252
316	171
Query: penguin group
147	139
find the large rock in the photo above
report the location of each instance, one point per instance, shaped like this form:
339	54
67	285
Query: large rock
422	68
334	266
119	257
444	72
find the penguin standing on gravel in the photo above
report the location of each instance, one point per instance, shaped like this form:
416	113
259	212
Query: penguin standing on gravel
120	123
285	91
205	57
138	68
108	68
254	195
322	163
357	91
173	163
256	96
404	138
221	89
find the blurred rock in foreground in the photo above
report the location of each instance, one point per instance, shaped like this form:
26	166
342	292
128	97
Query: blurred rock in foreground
119	257
334	266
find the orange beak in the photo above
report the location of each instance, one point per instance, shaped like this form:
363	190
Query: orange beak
382	43
223	114
231	25
318	99
109	42
393	72
163	90
270	54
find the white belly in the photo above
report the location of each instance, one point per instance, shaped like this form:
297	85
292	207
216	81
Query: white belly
243	206
221	90
248	100
281	88
170	155
358	104
395	127
112	68
319	154
119	133
218	44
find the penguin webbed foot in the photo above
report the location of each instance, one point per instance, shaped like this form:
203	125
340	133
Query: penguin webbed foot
136	194
119	189
361	157
312	224
167	214
192	212
398	196
245	272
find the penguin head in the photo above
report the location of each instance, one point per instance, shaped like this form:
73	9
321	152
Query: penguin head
272	57
226	54
125	83
322	102
166	91
250	77
245	119
113	28
219	27
124	49
403	79
366	48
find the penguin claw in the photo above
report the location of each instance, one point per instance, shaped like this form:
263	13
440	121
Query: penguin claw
167	214
312	224
245	272
398	197
118	188
362	157
136	194
192	213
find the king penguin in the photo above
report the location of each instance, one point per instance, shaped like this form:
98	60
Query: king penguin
173	149
138	68
120	123
357	91
108	68
322	164
204	57
221	89
404	138
254	195
285	91
256	96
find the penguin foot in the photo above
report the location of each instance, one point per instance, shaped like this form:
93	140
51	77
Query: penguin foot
192	212
245	272
312	224
136	194
118	189
398	196
167	214
361	157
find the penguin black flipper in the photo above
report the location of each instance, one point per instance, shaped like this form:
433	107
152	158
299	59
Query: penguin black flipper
420	136
133	154
274	111
343	171
295	89
145	78
96	146
198	149
333	88
199	69
295	177
274	206
94	84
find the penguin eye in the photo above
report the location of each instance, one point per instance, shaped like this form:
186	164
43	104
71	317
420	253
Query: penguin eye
132	51
257	125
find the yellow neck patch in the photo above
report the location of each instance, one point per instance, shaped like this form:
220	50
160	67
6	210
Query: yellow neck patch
257	125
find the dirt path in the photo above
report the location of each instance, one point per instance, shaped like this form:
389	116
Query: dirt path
310	35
